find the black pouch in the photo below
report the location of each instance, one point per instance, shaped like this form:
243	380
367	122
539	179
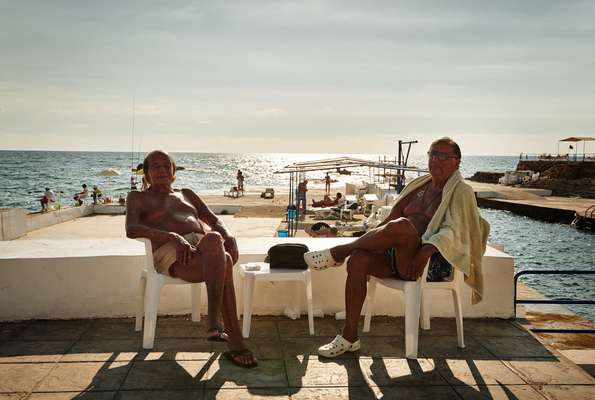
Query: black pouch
287	255
439	269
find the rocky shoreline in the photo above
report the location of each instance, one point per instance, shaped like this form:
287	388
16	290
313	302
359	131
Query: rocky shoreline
563	178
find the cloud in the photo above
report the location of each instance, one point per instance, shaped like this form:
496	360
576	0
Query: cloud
270	112
330	70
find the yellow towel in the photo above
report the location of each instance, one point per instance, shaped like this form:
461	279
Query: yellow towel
457	230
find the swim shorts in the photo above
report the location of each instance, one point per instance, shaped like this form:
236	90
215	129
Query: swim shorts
392	262
439	269
165	256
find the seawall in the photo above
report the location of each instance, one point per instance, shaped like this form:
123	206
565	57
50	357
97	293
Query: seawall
547	214
559	169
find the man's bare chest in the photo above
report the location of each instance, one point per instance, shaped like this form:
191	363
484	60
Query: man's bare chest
169	207
423	201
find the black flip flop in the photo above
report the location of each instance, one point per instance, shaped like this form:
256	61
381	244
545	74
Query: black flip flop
232	354
219	337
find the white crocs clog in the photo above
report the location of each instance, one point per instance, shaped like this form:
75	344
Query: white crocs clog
338	346
320	260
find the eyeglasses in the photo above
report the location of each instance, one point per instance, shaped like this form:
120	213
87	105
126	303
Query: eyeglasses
438	155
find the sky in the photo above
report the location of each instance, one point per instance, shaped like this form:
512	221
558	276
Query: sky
499	77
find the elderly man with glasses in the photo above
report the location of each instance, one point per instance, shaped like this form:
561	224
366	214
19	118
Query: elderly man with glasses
436	213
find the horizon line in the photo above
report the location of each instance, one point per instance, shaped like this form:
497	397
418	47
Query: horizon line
232	152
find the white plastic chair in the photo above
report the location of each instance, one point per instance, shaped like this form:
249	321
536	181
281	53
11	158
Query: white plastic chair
150	286
370	199
454	286
415	312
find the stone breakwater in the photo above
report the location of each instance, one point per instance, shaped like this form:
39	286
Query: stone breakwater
486	177
563	178
557	169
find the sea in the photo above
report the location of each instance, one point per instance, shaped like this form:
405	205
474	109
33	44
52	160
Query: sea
535	245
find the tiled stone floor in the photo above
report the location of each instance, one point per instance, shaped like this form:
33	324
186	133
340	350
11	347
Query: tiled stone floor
103	359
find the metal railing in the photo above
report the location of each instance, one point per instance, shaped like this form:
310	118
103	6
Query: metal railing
588	157
553	301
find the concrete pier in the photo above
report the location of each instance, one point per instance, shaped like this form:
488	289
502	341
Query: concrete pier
532	203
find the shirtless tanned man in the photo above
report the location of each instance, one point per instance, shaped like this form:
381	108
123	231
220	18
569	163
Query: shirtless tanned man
327	201
300	195
175	221
394	248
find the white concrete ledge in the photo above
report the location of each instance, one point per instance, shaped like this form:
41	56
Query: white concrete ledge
41	220
111	209
12	223
60	279
15	222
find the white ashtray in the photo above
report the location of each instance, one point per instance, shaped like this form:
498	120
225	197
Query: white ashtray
252	267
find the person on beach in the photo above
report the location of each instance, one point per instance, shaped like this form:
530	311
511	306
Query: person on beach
133	183
300	195
48	197
191	243
322	229
240	178
97	193
435	213
327	184
81	196
327	201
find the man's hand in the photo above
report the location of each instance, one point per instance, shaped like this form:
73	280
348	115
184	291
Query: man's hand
184	250
232	248
416	267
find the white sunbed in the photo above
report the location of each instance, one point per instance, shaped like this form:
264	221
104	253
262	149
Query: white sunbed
322	212
370	197
233	193
350	198
325	212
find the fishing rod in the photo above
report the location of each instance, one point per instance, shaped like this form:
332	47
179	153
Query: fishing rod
132	166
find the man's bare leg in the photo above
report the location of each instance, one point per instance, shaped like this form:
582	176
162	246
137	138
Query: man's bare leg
207	266
213	265
361	264
398	234
194	272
